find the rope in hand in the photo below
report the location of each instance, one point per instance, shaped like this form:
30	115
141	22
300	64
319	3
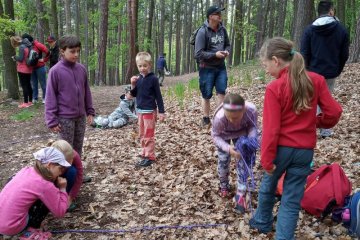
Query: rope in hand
139	229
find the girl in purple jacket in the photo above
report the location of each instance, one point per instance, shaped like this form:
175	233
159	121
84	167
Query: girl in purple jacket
235	120
68	98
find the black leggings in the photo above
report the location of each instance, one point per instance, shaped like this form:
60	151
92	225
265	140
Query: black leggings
26	86
37	214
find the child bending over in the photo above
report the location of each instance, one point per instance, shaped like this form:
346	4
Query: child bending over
26	198
121	116
146	89
234	119
289	133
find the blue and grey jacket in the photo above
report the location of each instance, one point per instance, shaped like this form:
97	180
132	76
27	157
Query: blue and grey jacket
208	42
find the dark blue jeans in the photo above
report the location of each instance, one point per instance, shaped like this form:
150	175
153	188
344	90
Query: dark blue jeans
296	163
38	76
210	78
70	176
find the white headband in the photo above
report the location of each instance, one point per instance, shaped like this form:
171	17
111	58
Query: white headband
51	155
232	107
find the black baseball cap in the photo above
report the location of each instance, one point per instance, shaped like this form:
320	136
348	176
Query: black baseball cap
214	9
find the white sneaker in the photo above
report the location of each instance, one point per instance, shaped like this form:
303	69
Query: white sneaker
43	101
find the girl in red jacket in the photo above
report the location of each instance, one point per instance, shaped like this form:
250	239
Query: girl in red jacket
289	133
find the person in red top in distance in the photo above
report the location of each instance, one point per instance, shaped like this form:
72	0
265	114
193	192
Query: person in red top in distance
289	133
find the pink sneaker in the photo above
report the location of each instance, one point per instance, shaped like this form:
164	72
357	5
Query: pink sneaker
33	233
23	105
29	104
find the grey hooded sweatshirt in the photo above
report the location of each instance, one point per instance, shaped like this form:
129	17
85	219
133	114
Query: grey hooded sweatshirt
208	42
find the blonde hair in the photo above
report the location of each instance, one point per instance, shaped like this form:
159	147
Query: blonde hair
43	171
301	84
143	56
64	147
15	41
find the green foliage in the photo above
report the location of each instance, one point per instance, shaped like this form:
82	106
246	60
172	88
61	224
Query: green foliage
262	76
231	80
179	90
193	85
23	115
6	26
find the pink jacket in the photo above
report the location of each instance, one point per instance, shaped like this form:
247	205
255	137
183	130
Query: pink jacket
18	195
21	65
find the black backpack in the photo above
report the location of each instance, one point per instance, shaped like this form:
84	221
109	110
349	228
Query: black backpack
193	35
33	57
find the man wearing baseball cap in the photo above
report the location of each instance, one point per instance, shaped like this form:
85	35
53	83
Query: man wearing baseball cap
212	46
54	50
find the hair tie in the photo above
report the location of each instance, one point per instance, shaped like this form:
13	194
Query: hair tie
292	52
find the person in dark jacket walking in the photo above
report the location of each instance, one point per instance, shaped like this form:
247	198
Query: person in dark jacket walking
54	50
325	47
212	46
161	67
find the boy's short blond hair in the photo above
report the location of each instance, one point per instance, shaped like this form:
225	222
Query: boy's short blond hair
64	147
143	56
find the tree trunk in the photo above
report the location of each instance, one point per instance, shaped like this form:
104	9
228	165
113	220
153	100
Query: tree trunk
232	34
103	34
272	13
86	35
68	16
355	46
178	39
189	23
340	10
8	51
303	17
118	53
162	27
61	17
238	31
133	47
149	26
170	34
184	37
77	18
42	22
54	19
281	17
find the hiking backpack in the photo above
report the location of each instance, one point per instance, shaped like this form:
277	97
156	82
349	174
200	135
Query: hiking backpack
194	33
325	190
349	215
33	57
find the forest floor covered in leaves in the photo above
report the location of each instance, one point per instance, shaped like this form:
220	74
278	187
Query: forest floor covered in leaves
181	188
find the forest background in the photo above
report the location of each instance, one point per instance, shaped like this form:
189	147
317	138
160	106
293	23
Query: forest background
113	31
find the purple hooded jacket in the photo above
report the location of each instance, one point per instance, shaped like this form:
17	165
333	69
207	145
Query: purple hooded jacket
67	93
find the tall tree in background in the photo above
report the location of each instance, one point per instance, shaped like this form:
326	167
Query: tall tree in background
355	47
238	31
340	10
178	39
103	37
150	25
43	23
77	18
170	33
162	27
303	17
54	19
133	44
281	6
68	16
8	51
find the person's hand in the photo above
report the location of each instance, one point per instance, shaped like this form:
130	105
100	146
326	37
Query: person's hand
90	119
225	53
235	154
271	171
41	60
56	129
61	183
13	58
134	79
162	117
220	54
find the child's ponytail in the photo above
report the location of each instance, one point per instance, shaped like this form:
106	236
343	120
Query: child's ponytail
301	85
43	171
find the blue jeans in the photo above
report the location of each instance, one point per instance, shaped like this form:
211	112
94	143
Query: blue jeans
70	176
38	75
296	163
210	77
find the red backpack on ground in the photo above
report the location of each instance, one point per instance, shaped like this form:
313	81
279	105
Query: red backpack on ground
326	189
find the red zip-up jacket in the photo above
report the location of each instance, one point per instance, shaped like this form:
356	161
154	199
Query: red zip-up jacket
282	127
41	49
